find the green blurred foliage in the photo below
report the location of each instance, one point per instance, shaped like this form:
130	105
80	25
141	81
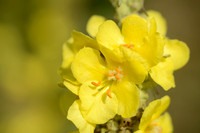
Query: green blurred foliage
31	36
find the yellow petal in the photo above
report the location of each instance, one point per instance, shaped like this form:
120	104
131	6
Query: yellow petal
165	122
72	86
81	40
109	35
162	74
66	73
68	80
165	101
93	24
68	55
88	65
152	49
114	55
134	66
178	51
160	20
134	29
76	117
128	98
152	26
148	113
96	106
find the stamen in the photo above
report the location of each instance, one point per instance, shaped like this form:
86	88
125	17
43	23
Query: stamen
111	78
108	93
110	75
96	84
118	71
128	45
125	45
155	124
117	76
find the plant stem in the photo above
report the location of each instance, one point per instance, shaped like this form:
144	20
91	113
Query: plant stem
124	8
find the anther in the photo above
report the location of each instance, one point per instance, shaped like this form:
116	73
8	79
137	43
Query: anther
110	75
108	92
128	46
118	71
125	45
155	124
117	76
96	84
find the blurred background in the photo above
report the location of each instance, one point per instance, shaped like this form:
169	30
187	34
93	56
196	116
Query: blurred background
31	36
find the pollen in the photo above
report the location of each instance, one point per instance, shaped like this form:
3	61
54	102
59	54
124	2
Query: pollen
96	84
129	45
155	124
108	92
118	70
115	74
156	128
110	75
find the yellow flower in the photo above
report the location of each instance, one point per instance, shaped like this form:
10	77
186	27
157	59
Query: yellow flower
152	122
108	88
176	55
146	45
137	35
76	117
70	48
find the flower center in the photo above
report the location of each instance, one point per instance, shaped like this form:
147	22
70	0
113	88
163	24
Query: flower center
113	75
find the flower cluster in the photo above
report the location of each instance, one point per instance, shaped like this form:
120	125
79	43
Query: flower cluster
112	70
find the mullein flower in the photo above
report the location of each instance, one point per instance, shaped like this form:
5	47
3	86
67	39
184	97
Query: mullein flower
176	55
140	38
108	88
152	121
138	35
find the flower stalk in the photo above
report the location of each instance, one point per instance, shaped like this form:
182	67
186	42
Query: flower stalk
124	8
